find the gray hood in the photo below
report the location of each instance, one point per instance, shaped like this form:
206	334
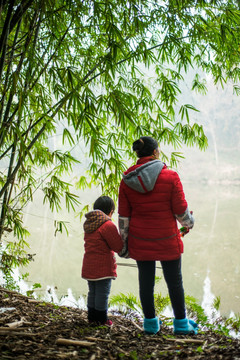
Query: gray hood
144	177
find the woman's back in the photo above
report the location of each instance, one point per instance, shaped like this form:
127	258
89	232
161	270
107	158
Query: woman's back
153	227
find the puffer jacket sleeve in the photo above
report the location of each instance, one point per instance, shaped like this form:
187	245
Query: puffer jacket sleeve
123	224
186	219
124	207
179	203
111	235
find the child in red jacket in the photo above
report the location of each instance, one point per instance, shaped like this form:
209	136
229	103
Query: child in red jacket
101	239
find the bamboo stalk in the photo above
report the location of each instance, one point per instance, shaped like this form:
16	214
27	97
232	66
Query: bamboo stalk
137	326
93	357
34	301
10	329
6	119
99	339
17	333
5	34
68	342
122	351
7	193
17	324
6	80
22	8
20	162
189	341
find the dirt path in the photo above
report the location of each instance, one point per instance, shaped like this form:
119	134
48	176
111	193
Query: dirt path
30	329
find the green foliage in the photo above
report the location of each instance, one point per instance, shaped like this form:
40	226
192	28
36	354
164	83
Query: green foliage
220	324
11	257
34	287
133	355
59	226
195	310
216	303
161	302
112	71
234	323
126	302
129	303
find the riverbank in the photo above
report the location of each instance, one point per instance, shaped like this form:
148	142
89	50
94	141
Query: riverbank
30	329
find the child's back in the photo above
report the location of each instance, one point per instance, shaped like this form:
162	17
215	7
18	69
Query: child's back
101	240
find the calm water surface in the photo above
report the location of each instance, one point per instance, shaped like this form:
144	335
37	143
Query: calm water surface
210	259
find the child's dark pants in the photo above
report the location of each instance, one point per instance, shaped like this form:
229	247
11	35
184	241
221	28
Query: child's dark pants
97	302
98	294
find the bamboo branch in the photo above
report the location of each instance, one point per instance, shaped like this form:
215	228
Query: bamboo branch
189	341
55	108
132	55
122	351
1	7
50	59
7	194
6	121
17	333
8	71
17	324
99	339
6	26
14	172
22	8
137	326
69	342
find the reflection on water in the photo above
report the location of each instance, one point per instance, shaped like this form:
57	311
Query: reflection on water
211	254
208	298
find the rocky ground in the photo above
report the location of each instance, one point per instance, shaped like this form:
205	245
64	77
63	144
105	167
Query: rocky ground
31	329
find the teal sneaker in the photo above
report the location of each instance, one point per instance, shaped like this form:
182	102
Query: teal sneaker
184	327
151	326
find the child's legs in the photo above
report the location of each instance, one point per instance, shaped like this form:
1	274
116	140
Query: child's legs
173	276
91	294
102	291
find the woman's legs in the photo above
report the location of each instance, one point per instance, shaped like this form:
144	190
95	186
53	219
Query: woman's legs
146	276
173	276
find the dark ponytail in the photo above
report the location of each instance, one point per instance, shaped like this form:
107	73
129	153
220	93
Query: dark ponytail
145	146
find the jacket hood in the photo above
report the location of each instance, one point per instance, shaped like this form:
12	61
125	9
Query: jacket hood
144	177
94	219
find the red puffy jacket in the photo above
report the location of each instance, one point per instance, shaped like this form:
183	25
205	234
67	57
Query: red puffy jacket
101	240
152	196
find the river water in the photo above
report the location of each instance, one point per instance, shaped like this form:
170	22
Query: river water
211	181
211	250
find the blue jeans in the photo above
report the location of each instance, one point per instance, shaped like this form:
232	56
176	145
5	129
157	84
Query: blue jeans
173	276
98	293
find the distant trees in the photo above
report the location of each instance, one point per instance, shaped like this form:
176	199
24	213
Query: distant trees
84	66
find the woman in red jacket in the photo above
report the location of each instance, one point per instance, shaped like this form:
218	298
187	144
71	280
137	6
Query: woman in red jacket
99	264
151	200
